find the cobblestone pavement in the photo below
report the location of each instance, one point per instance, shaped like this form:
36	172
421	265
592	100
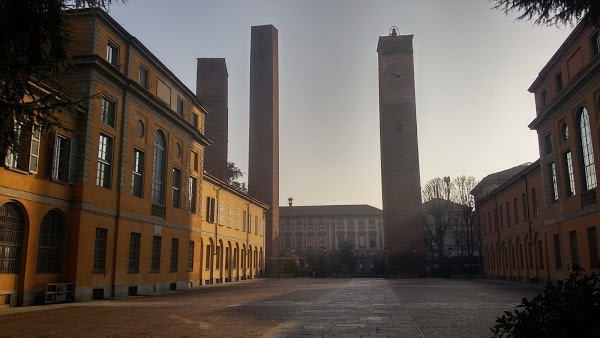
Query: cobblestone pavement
361	307
458	308
281	307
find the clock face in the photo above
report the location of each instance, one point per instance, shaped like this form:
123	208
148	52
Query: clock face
396	76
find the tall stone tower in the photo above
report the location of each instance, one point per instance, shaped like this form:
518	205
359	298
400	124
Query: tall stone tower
263	171
401	187
211	86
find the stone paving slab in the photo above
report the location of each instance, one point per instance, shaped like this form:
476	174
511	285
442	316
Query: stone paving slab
359	308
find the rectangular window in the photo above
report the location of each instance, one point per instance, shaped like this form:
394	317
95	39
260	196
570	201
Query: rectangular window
156	243
108	112
144	77
593	246
548	143
100	250
235	258
525	208
322	240
530	250
237	218
229	216
508	213
496	219
195	120
574	248
311	240
595	44
250	223
521	256
210	209
534	202
176	190
192	191
174	254
256	225
245	221
569	177
544	98
540	254
557	257
64	160
26	157
105	154
190	265
194	160
179	106
137	174
208	258
501	218
221	208
553	182
112	54
134	252
559	82
516	210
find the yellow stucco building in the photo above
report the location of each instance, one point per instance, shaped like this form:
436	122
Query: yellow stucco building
119	204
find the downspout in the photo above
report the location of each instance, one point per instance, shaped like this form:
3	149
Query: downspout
120	174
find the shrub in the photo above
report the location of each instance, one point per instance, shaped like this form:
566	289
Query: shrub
569	308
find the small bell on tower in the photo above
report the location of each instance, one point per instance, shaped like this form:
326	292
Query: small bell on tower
394	31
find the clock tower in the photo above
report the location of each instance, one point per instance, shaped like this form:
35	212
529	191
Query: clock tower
401	188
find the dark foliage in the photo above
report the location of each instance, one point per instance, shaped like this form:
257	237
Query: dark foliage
552	12
35	51
233	174
569	308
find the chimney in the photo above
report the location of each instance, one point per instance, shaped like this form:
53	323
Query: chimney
290	201
211	89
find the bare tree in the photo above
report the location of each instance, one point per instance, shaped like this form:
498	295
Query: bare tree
466	229
438	217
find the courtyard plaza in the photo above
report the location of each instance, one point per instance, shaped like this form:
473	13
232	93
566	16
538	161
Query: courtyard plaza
284	307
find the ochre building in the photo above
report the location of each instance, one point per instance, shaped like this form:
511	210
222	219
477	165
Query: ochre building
119	204
544	218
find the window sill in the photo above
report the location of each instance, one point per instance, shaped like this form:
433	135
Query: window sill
133	271
17	170
190	270
172	270
58	181
99	272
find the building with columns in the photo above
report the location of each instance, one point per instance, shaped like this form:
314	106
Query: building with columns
312	231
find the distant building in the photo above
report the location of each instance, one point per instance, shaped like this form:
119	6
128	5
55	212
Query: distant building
540	220
314	230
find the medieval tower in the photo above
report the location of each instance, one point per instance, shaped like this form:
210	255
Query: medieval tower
263	171
401	188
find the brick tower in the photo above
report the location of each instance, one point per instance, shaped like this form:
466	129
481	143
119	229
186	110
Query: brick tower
211	87
263	171
401	187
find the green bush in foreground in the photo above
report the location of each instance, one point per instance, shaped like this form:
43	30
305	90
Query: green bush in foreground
569	308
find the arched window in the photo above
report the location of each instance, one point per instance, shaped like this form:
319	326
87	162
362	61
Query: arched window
586	151
159	165
52	238
12	227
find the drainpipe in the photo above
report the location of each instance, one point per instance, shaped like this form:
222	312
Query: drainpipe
120	173
248	221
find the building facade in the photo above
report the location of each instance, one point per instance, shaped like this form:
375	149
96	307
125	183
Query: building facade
544	220
118	203
312	231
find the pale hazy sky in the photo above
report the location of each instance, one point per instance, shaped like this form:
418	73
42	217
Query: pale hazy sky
473	66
